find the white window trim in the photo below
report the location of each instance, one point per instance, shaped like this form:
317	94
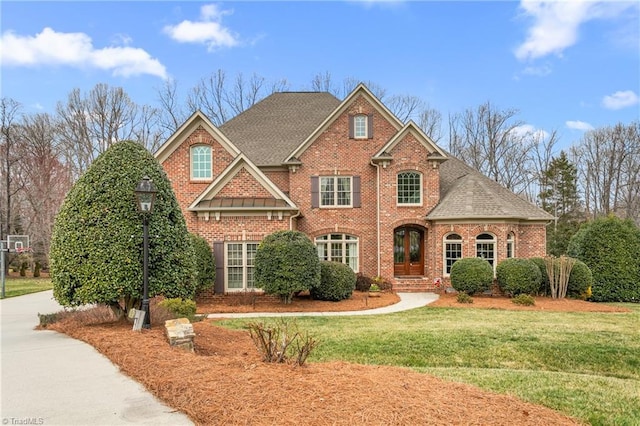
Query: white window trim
335	193
398	203
511	242
191	170
244	267
444	252
318	240
366	126
494	242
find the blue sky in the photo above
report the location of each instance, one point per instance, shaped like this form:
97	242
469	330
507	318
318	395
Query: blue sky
566	66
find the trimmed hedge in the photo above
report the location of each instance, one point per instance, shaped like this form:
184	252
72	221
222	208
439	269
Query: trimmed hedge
580	280
96	243
545	285
286	263
610	247
518	276
337	282
205	263
471	275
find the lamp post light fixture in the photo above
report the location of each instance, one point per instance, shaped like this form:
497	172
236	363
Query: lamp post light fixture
145	196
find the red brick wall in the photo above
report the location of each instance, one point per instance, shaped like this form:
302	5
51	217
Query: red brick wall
243	184
280	178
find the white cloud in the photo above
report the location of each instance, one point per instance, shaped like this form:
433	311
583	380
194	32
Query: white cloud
579	125
527	130
76	50
208	30
557	23
620	99
540	71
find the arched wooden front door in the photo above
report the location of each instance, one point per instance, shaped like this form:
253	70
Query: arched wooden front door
408	251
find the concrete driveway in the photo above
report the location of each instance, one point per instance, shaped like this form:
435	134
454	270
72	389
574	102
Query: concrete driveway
51	379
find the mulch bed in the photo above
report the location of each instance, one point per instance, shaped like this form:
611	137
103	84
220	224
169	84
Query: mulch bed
225	381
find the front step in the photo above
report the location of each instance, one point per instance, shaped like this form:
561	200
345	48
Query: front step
413	285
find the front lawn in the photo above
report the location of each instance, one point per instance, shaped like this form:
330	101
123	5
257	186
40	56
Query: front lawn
583	364
18	286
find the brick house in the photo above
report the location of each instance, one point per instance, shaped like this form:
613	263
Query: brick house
367	189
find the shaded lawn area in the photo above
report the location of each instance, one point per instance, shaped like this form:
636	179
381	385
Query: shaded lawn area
17	286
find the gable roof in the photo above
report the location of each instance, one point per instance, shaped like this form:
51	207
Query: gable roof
206	200
184	131
412	128
468	194
269	130
360	90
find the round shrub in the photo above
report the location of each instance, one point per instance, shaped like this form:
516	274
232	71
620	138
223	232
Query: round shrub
286	263
471	275
580	280
363	282
518	276
545	286
337	282
524	300
610	247
205	264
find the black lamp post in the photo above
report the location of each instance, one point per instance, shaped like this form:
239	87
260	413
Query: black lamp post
145	195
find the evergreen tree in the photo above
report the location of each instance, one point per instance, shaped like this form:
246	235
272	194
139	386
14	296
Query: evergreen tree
559	196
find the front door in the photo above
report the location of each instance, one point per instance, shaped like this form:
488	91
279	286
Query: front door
408	251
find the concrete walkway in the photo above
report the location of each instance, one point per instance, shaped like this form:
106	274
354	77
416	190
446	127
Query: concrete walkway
407	301
49	378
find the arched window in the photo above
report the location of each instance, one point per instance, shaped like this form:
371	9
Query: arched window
201	162
511	245
409	188
452	251
339	248
486	248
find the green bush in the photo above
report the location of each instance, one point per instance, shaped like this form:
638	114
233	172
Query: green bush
337	282
286	263
471	275
518	276
23	269
610	247
545	286
524	300
363	282
180	308
580	280
36	270
96	245
464	298
205	263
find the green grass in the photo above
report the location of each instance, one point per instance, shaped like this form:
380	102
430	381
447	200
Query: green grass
586	365
19	286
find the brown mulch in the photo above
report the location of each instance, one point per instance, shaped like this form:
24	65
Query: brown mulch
542	304
242	303
225	381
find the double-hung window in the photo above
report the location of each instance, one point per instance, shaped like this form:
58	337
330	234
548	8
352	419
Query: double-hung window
239	265
409	189
486	248
338	248
201	162
452	251
510	245
335	191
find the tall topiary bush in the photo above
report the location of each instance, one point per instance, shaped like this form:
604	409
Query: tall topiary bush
286	263
96	246
471	275
518	276
205	264
610	247
337	282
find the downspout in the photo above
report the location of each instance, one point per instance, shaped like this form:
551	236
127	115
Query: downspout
295	216
377	166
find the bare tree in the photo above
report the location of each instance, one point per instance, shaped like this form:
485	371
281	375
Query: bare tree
171	114
430	121
45	180
495	143
9	182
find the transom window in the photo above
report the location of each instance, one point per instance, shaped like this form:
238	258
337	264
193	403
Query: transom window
240	265
410	188
486	248
338	248
360	127
510	245
201	162
335	191
452	251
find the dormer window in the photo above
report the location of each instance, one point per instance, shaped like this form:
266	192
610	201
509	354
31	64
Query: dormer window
201	162
361	126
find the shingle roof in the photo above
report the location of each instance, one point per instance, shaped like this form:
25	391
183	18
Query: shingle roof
271	129
467	194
